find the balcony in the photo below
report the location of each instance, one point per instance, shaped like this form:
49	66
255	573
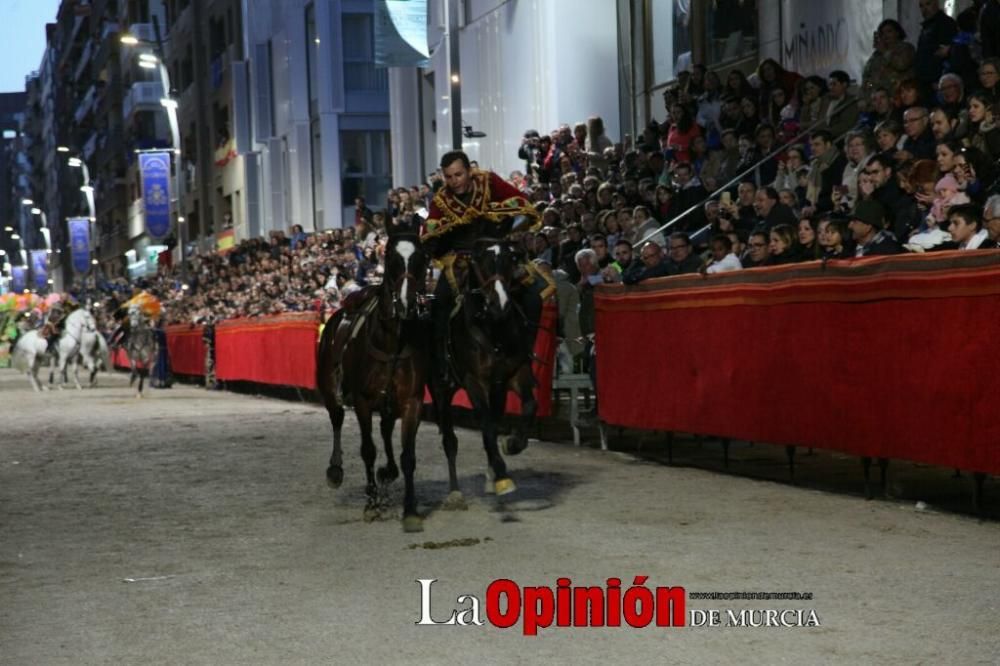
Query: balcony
86	104
142	96
108	40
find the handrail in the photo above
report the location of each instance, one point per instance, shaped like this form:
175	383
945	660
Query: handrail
662	228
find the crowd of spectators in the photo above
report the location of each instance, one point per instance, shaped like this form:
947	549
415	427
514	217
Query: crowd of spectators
772	168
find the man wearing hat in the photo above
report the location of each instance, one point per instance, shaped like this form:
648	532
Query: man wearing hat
867	226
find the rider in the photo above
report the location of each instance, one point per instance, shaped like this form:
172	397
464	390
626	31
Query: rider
56	320
472	202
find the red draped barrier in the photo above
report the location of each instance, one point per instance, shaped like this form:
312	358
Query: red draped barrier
890	357
269	350
119	358
186	349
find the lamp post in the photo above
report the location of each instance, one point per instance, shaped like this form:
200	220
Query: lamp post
155	61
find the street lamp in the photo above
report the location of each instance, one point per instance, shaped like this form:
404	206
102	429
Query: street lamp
155	61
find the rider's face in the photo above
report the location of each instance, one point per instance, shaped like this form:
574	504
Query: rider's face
456	177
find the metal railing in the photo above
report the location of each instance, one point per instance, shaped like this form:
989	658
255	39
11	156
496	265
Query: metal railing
738	178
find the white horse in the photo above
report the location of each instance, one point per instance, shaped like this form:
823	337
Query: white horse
79	342
30	352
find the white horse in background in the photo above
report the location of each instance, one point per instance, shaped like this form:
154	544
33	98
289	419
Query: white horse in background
30	352
79	343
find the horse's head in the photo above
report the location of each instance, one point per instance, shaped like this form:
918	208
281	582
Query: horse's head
405	274
135	317
492	272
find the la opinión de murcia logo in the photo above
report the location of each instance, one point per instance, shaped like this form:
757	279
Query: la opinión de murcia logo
638	606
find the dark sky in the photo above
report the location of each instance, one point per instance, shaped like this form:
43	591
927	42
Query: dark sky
22	36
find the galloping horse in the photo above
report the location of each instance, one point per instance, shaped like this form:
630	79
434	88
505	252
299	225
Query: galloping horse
141	347
490	350
79	341
374	354
28	355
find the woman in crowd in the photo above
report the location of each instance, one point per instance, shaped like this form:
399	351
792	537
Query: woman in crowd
782	245
812	102
891	61
982	131
833	241
809	248
683	131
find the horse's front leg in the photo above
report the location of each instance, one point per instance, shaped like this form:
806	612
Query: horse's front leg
362	409
412	522
442	396
484	401
388	472
523	384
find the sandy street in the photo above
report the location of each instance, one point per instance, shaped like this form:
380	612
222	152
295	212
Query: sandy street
196	527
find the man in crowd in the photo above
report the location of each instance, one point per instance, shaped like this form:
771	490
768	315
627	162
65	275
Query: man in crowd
758	250
881	186
919	143
770	211
867	228
650	265
991	219
681	258
966	229
825	172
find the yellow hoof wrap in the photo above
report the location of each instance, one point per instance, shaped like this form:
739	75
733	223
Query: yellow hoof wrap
504	486
413	524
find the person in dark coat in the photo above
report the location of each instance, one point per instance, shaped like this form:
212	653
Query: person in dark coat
901	209
650	265
937	31
770	211
868	229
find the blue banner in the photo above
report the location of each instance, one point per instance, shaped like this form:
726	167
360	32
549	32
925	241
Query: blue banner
401	33
40	269
79	243
155	170
20	278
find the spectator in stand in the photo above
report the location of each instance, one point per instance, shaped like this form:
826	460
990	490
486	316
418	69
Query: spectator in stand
767	170
530	147
361	211
737	85
966	229
943	124
597	143
882	187
770	211
841	108
960	53
989	30
880	109
710	109
724	165
688	193
890	63
749	116
991	220
833	241
951	92
662	206
889	137
757	253
975	173
681	258
623	255
808	236
790	199
723	259
813	102
793	172
946	153
859	148
989	70
781	244
937	31
773	76
919	143
825	172
867	228
599	244
683	130
982	131
298	237
650	265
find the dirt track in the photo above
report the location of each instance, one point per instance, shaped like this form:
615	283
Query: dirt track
214	506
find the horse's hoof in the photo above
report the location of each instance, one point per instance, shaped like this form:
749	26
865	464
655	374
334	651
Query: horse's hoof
504	486
334	476
372	513
455	502
386	475
413	524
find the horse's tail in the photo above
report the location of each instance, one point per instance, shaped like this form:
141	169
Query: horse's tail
19	356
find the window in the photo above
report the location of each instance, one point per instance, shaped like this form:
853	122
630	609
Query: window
367	171
312	58
730	30
360	73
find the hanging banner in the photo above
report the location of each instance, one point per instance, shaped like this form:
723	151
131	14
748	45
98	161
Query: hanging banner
401	33
155	170
819	37
19	278
40	269
79	243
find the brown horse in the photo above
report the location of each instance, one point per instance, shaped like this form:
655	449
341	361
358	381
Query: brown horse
490	346
374	354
